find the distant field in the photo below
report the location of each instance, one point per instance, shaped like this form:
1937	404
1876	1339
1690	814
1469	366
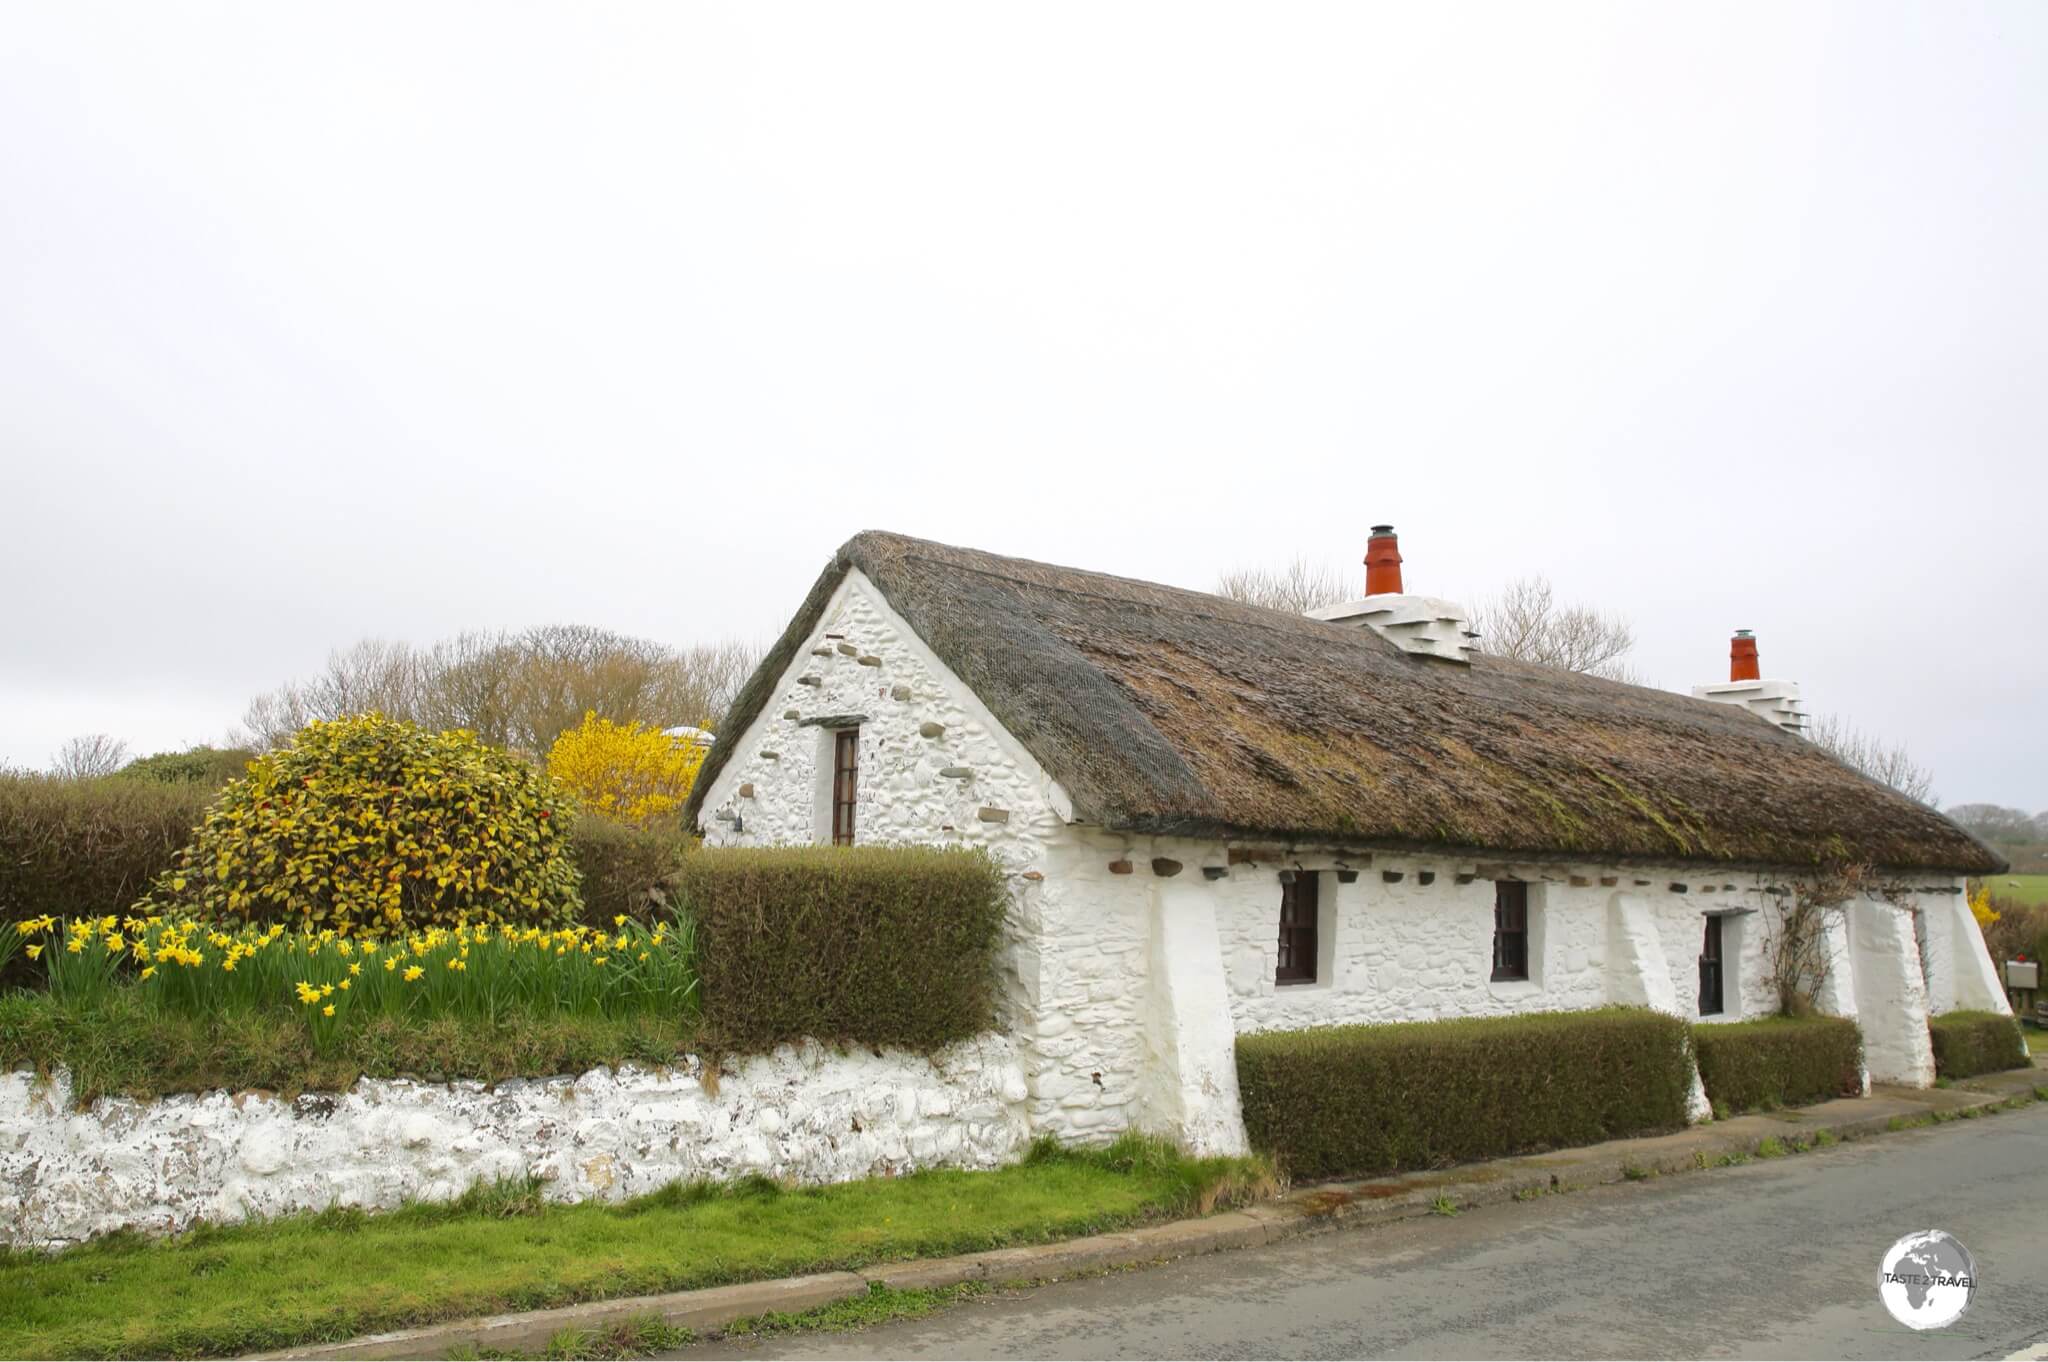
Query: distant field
2025	888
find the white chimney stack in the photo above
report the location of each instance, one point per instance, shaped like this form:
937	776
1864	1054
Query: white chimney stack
1414	624
1774	701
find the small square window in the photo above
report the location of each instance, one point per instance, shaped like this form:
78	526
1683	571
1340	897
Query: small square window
1510	929
1299	905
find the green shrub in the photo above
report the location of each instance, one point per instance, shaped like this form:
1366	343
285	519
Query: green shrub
1967	1043
627	869
1373	1099
369	820
78	848
212	767
877	945
1779	1062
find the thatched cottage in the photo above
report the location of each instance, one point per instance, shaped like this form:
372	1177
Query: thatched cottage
1220	819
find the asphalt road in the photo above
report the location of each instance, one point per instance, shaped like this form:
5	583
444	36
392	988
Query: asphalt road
1776	1258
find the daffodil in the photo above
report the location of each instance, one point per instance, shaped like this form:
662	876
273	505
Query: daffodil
327	1011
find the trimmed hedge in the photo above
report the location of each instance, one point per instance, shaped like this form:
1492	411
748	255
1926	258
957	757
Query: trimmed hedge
876	945
626	869
1778	1062
1967	1043
81	848
1358	1100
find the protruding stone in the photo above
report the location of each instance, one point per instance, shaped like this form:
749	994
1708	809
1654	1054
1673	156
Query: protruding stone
1165	867
1609	881
929	729
988	815
957	772
1580	882
868	660
792	714
1393	876
1033	875
809	681
766	755
821	652
1678	889
747	790
1119	867
899	692
849	649
1347	877
1217	872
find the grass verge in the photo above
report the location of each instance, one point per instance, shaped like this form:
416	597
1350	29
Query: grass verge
222	1290
118	1044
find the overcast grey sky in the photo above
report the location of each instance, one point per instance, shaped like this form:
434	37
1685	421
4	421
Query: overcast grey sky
326	321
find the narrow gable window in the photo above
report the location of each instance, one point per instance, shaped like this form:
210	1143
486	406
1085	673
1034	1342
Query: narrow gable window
1298	907
1510	929
845	783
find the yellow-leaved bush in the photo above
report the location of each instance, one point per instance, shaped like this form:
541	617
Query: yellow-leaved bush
370	821
628	772
1981	909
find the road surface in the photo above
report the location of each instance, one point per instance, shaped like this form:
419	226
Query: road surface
1777	1258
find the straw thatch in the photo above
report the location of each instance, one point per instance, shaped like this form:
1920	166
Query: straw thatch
1169	711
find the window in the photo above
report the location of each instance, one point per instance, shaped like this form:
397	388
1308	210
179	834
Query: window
1510	929
845	783
1710	968
1299	904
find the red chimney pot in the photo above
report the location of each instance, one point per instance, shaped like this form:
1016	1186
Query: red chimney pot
1383	562
1742	665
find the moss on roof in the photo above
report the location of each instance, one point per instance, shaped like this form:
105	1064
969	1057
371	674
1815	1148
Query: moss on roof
1171	711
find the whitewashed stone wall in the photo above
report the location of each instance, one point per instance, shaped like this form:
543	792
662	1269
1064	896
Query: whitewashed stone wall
803	1114
935	768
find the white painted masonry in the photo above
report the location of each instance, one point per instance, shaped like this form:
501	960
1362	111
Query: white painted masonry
801	1113
1132	963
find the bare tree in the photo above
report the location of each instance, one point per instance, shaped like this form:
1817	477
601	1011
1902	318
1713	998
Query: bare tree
95	754
1525	622
518	691
1889	763
1298	588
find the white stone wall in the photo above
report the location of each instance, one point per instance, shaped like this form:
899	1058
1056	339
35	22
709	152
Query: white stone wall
935	768
802	1113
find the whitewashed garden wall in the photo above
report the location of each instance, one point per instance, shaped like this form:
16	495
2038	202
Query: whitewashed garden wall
802	1114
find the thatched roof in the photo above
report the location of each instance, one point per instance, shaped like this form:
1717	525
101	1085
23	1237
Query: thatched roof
1168	711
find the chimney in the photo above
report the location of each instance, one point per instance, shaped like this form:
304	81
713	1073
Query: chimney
1742	657
1415	624
1774	702
1383	562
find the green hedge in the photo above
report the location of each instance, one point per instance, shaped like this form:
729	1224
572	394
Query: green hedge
1778	1062
81	848
1967	1043
626	869
1374	1099
878	945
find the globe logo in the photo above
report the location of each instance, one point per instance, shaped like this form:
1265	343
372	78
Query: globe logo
1927	1280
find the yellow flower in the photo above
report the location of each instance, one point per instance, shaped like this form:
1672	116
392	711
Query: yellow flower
116	942
600	959
327	990
75	948
643	955
344	985
354	970
34	951
413	973
149	971
619	921
228	965
390	963
327	1011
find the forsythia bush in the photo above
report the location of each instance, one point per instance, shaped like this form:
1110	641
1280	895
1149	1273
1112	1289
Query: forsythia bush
625	771
1981	909
368	820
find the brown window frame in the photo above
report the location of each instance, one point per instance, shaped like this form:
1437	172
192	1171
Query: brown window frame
845	783
1713	971
1300	908
1510	930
